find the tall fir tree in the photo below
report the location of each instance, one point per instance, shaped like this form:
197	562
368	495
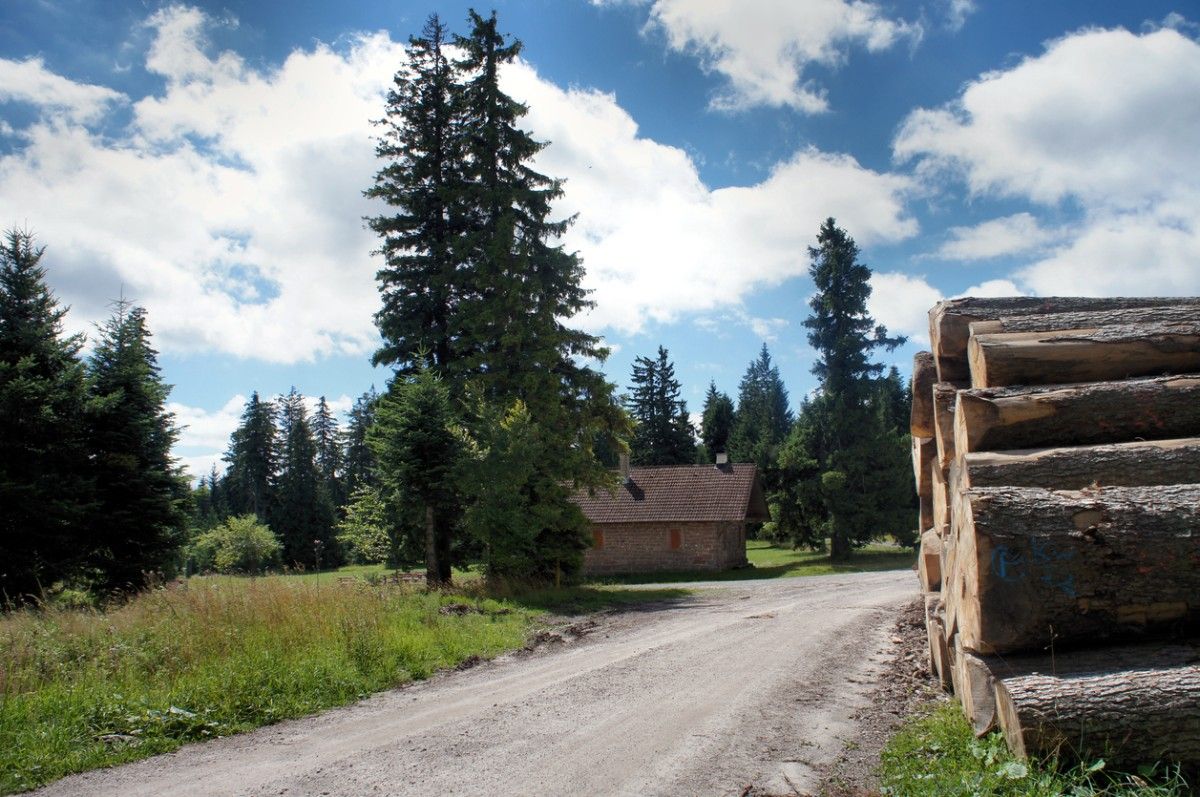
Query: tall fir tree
360	469
762	419
421	283
663	434
143	497
253	461
716	423
46	480
495	260
328	438
303	516
845	462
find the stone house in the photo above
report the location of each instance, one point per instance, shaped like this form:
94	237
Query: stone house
678	517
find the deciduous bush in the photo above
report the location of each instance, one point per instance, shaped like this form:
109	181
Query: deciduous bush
239	545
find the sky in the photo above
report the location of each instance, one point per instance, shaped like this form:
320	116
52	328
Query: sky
207	161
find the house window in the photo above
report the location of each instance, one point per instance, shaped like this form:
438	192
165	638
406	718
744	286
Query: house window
597	539
676	539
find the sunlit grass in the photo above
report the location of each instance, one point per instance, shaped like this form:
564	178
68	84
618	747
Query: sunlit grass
937	755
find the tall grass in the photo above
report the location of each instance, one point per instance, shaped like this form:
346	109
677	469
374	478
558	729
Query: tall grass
81	688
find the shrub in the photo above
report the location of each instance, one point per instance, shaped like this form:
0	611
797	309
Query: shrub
239	545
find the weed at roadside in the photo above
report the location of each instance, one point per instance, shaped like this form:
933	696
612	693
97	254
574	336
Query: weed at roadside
937	755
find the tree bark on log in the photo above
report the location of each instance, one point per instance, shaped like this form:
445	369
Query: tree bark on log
924	375
1082	355
944	397
950	321
1076	467
1129	705
1187	311
924	451
991	419
1041	567
929	563
977	694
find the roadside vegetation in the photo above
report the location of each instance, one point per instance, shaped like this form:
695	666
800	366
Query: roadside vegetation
82	688
936	754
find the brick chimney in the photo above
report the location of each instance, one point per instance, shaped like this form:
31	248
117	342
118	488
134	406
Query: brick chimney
623	467
722	460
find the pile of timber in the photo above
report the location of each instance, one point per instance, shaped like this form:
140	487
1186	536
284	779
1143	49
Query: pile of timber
1056	450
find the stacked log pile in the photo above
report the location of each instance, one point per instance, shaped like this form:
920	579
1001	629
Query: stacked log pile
1056	449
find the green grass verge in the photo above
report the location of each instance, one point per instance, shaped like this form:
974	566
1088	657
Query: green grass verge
937	755
770	561
82	688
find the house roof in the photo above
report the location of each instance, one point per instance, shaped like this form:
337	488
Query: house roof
679	493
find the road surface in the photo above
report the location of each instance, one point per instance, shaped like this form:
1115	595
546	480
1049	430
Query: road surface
744	684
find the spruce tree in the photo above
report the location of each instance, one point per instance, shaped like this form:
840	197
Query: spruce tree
716	422
418	450
663	435
845	460
762	420
141	519
421	283
358	459
46	489
253	460
328	438
303	516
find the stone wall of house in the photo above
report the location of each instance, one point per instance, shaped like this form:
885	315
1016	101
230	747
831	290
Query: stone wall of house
644	547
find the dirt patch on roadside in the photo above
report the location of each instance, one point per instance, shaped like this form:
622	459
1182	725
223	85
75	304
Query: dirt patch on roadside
906	685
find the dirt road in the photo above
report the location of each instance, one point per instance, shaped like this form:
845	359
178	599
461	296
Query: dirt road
745	684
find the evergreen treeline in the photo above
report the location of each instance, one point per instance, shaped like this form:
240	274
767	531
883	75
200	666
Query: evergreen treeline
89	493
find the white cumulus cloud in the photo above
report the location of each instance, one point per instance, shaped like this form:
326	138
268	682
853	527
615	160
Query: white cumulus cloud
1104	122
764	48
30	82
1019	233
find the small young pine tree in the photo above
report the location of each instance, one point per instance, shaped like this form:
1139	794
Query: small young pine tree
142	495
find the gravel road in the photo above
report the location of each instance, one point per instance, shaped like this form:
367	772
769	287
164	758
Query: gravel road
746	687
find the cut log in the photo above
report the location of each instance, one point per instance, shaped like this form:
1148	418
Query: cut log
929	563
941	496
1128	705
949	321
991	419
1076	467
1186	312
944	394
924	450
923	376
1039	567
977	693
939	650
925	519
1083	355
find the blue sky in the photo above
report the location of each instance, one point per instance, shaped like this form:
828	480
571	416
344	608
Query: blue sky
208	160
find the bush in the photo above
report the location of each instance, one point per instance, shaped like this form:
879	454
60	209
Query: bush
239	545
363	533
